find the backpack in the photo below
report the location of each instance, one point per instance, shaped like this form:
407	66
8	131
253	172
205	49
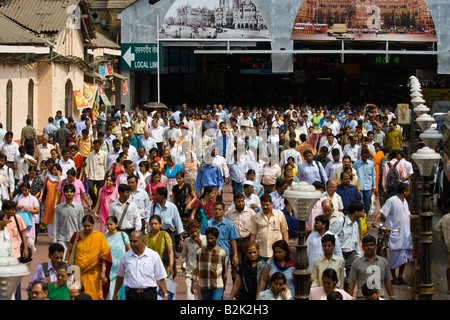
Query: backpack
393	176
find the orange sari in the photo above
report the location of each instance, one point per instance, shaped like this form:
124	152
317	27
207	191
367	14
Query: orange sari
88	255
376	162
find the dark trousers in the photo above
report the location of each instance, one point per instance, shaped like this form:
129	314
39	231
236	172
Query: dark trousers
349	257
160	148
29	144
91	190
140	294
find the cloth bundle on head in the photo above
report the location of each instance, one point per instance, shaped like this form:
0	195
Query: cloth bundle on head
301	121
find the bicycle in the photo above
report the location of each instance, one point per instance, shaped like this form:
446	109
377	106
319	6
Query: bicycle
383	240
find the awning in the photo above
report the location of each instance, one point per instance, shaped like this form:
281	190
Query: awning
94	75
119	76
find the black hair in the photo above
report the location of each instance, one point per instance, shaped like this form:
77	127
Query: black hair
355	206
55	247
328	237
212	230
284	246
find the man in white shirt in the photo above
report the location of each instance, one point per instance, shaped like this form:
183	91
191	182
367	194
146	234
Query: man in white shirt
148	142
42	152
314	243
333	125
141	199
126	211
95	171
130	169
333	164
10	149
8	174
291	152
352	149
157	133
22	163
113	155
331	144
141	156
65	162
141	271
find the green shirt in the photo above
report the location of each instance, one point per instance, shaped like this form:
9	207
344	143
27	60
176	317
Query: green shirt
58	293
29	133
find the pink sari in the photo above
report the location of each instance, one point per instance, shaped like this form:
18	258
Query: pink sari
107	196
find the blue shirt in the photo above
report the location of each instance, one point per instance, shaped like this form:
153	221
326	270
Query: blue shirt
170	217
366	174
238	171
292	223
227	232
310	172
348	194
208	175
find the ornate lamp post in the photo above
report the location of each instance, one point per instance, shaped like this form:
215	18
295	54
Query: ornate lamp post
302	197
426	159
11	272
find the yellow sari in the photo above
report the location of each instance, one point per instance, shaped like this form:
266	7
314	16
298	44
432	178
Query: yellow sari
88	255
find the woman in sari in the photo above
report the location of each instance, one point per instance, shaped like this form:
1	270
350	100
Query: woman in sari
51	183
376	161
106	196
159	240
58	289
89	250
119	243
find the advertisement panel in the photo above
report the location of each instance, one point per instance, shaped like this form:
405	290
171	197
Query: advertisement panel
213	19
388	20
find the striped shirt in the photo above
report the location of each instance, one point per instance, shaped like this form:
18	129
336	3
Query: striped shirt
211	268
268	230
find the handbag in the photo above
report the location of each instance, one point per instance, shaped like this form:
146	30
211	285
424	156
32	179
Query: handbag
26	218
44	193
22	246
171	287
165	257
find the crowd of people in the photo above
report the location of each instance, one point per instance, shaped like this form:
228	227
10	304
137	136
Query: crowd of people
154	180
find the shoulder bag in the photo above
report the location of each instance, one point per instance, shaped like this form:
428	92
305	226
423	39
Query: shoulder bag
123	215
22	246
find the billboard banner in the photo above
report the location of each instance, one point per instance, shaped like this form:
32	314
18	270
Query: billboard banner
388	20
213	19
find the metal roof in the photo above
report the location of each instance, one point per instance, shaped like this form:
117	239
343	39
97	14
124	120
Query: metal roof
40	16
102	41
13	34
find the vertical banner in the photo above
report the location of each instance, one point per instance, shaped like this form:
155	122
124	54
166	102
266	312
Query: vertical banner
403	113
89	93
124	87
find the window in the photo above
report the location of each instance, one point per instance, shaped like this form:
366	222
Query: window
68	99
9	98
31	100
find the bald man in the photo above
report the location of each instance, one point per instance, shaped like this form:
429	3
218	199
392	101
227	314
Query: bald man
329	211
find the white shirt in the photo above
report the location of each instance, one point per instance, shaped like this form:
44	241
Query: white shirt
335	126
124	176
314	246
96	165
353	152
9	176
331	167
142	201
291	153
132	219
10	150
397	215
141	272
66	166
6	247
22	166
149	143
157	133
